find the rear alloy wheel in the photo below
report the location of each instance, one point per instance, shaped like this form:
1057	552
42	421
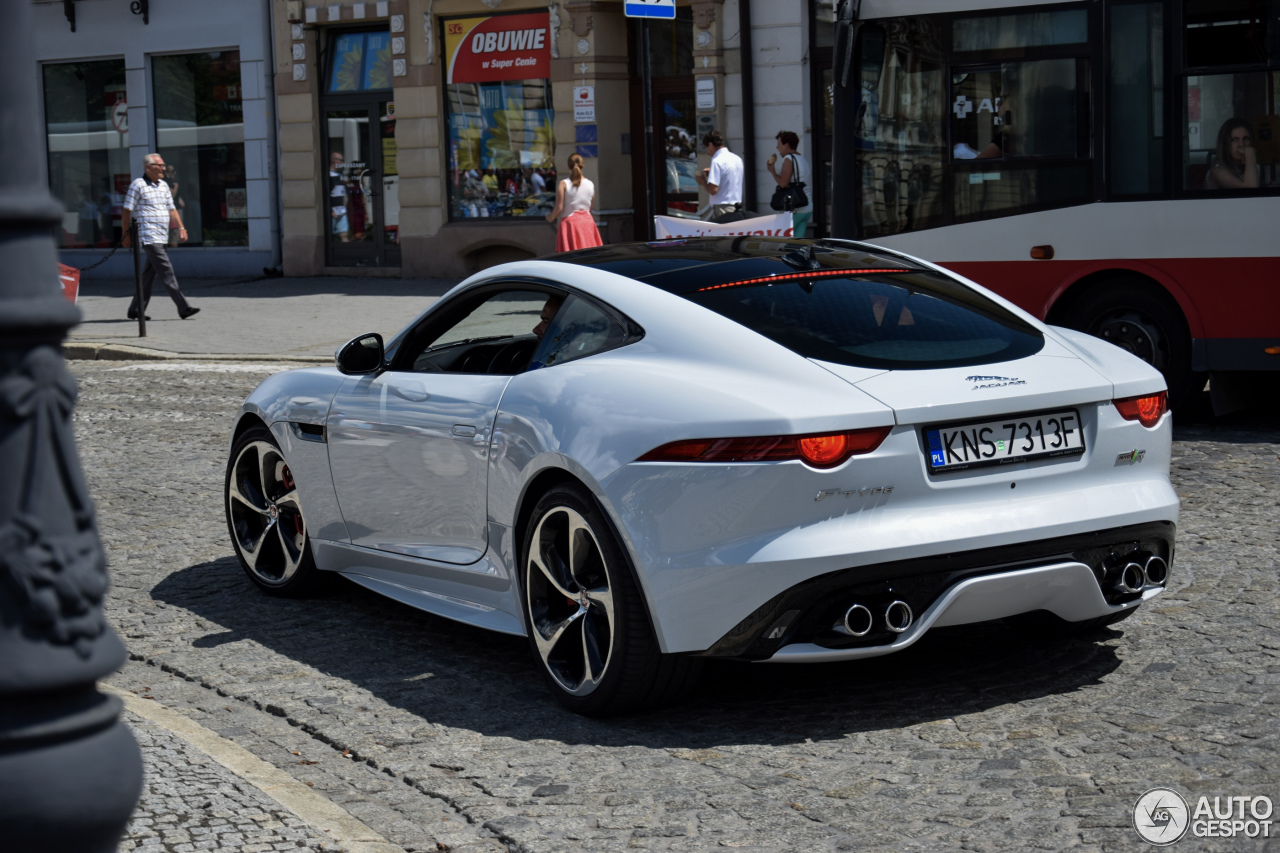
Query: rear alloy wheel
587	623
1145	324
264	515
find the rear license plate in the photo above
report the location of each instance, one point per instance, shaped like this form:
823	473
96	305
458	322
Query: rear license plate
999	442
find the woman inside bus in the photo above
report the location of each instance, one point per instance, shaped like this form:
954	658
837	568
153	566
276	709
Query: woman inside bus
1236	166
575	196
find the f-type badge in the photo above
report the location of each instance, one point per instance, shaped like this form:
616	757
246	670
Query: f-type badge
848	493
993	381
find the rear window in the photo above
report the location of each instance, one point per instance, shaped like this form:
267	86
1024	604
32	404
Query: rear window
903	321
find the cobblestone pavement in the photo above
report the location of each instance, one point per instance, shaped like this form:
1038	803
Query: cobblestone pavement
439	736
190	803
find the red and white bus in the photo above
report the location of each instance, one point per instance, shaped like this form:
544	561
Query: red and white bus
1112	166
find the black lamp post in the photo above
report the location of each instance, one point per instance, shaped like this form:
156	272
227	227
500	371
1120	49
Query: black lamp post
70	772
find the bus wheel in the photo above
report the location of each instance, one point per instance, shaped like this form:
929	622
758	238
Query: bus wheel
1147	324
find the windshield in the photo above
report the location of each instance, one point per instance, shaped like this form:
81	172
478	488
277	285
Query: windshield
902	321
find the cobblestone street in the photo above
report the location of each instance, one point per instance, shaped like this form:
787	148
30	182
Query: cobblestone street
437	736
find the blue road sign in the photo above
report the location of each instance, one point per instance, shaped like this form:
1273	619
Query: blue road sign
650	8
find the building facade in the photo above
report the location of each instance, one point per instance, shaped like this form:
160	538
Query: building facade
411	137
190	80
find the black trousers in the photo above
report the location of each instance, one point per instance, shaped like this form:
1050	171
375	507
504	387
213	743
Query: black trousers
158	263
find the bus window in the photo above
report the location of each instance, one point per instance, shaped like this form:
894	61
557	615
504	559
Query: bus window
1135	134
1019	31
1018	130
1229	128
900	129
1231	32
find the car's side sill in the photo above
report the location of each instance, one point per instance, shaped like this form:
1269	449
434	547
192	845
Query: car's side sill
457	609
1069	590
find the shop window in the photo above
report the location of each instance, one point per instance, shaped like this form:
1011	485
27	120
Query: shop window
900	130
1020	31
671	44
199	119
360	62
1231	137
500	116
1135	113
87	133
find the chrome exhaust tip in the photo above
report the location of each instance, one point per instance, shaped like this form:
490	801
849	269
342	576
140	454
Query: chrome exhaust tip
1156	571
1131	579
898	617
857	621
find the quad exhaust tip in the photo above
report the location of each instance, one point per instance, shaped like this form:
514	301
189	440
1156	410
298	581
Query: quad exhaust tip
898	617
1156	571
857	621
1132	578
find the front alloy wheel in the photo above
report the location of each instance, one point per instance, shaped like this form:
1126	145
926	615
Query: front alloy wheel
264	515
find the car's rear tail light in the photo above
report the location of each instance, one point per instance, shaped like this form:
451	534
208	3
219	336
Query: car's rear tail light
826	450
1145	410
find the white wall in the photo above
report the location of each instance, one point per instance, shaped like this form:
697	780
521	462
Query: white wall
779	47
107	29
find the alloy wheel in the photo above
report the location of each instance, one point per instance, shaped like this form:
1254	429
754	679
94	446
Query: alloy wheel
570	601
265	513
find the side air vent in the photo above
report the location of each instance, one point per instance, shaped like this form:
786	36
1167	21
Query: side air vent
308	432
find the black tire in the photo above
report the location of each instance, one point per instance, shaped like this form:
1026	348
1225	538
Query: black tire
264	517
588	627
1043	624
1145	321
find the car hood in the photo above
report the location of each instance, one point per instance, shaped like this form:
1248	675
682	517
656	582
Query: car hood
1049	379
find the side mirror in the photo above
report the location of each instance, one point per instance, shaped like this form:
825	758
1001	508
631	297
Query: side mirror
360	355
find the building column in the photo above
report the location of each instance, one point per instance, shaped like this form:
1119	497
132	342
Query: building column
303	190
419	155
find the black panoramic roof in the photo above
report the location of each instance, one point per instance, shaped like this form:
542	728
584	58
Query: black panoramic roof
684	265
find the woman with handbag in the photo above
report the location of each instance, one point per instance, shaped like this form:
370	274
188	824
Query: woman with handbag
575	197
792	180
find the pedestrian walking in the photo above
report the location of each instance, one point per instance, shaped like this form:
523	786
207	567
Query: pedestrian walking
151	202
723	179
791	178
575	197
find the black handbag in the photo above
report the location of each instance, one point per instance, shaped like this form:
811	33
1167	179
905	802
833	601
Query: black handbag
792	196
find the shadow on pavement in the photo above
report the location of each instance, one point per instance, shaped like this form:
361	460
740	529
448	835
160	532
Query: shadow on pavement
463	677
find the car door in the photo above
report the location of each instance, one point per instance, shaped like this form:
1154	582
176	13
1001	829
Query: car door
409	447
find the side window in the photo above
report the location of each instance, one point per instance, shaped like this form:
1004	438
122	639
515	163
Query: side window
1016	134
578	330
1231	139
494	333
1230	115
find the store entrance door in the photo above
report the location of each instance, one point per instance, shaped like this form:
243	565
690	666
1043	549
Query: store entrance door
363	223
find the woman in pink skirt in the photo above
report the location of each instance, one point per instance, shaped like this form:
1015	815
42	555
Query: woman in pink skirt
575	197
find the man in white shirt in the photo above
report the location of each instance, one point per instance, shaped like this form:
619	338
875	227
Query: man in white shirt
724	179
150	202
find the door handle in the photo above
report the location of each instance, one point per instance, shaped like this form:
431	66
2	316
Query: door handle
411	393
464	430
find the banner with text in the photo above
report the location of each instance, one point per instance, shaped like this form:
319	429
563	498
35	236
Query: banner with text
498	47
774	225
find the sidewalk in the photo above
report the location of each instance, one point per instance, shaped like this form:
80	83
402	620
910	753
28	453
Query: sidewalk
294	319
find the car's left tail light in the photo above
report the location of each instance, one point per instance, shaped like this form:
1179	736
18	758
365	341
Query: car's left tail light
1146	410
824	450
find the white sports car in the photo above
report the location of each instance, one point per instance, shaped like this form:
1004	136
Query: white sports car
643	455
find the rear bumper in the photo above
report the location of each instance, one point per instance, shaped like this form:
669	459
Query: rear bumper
1068	590
1072	576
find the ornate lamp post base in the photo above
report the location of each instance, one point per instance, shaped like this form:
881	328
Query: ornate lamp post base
70	772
